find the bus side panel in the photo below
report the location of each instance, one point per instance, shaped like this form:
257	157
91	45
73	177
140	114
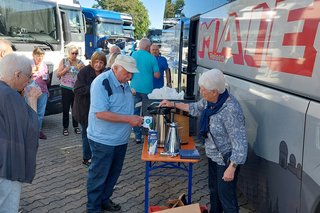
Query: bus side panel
90	42
310	197
271	177
275	43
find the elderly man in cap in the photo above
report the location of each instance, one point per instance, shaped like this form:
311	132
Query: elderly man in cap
110	122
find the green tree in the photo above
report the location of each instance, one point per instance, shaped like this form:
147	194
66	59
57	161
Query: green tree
133	7
178	7
169	10
174	9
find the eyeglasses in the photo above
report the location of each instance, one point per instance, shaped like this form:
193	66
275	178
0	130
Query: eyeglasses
75	53
28	76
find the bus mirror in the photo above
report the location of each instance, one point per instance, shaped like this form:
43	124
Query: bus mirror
66	27
84	23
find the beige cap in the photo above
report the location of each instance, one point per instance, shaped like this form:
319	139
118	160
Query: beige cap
127	62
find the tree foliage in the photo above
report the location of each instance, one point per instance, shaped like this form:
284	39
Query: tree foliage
174	9
133	7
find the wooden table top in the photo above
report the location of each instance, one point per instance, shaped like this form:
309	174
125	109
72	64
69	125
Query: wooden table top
145	156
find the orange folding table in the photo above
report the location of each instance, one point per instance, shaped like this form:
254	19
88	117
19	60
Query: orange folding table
157	161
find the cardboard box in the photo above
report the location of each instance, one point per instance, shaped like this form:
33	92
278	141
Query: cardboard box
193	208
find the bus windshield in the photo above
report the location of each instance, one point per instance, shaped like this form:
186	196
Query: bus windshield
28	21
109	29
128	31
75	20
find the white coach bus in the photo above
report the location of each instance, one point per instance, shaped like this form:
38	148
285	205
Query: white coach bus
51	25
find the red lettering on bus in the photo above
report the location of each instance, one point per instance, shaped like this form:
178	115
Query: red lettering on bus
204	42
225	38
304	65
255	59
219	46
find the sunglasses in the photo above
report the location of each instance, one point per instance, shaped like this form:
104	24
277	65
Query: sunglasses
75	53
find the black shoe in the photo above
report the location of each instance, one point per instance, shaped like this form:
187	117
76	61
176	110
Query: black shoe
77	130
65	132
86	162
42	136
111	206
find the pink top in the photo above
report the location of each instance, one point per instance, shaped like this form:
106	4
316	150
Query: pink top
40	75
68	79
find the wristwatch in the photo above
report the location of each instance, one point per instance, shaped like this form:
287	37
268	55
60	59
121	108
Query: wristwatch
234	165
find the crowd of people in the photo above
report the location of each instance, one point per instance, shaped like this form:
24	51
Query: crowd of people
104	99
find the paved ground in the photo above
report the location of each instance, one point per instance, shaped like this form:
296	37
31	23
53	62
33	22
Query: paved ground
60	182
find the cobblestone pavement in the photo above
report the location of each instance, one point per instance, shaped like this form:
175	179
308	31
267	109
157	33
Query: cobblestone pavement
60	182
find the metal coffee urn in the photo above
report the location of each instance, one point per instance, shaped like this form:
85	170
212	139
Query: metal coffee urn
161	117
172	144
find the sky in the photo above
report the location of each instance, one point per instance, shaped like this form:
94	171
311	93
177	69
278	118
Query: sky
155	10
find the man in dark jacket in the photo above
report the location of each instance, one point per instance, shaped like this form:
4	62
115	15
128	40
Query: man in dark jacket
18	130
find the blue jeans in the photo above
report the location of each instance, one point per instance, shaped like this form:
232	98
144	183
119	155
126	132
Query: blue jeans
41	107
104	171
223	195
9	195
86	150
139	97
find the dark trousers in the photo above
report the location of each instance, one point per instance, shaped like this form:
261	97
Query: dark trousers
67	103
223	195
86	150
104	171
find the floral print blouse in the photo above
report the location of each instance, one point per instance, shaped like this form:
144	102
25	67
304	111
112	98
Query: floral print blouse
227	131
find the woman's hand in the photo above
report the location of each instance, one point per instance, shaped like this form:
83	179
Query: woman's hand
34	93
80	66
67	69
228	175
166	103
32	96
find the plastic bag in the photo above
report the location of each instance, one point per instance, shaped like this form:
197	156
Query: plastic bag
166	93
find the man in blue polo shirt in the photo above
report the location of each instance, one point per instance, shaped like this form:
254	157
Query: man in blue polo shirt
142	82
163	67
110	122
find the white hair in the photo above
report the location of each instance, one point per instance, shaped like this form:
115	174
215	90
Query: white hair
144	44
213	80
4	44
12	63
114	49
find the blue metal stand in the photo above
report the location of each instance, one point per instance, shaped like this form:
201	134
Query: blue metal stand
151	166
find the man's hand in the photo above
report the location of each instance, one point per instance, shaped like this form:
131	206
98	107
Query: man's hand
135	120
133	91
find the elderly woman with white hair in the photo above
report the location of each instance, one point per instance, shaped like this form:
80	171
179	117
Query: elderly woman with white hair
223	128
18	130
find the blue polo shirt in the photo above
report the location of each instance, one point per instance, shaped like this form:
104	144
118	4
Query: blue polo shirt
147	65
163	66
121	101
